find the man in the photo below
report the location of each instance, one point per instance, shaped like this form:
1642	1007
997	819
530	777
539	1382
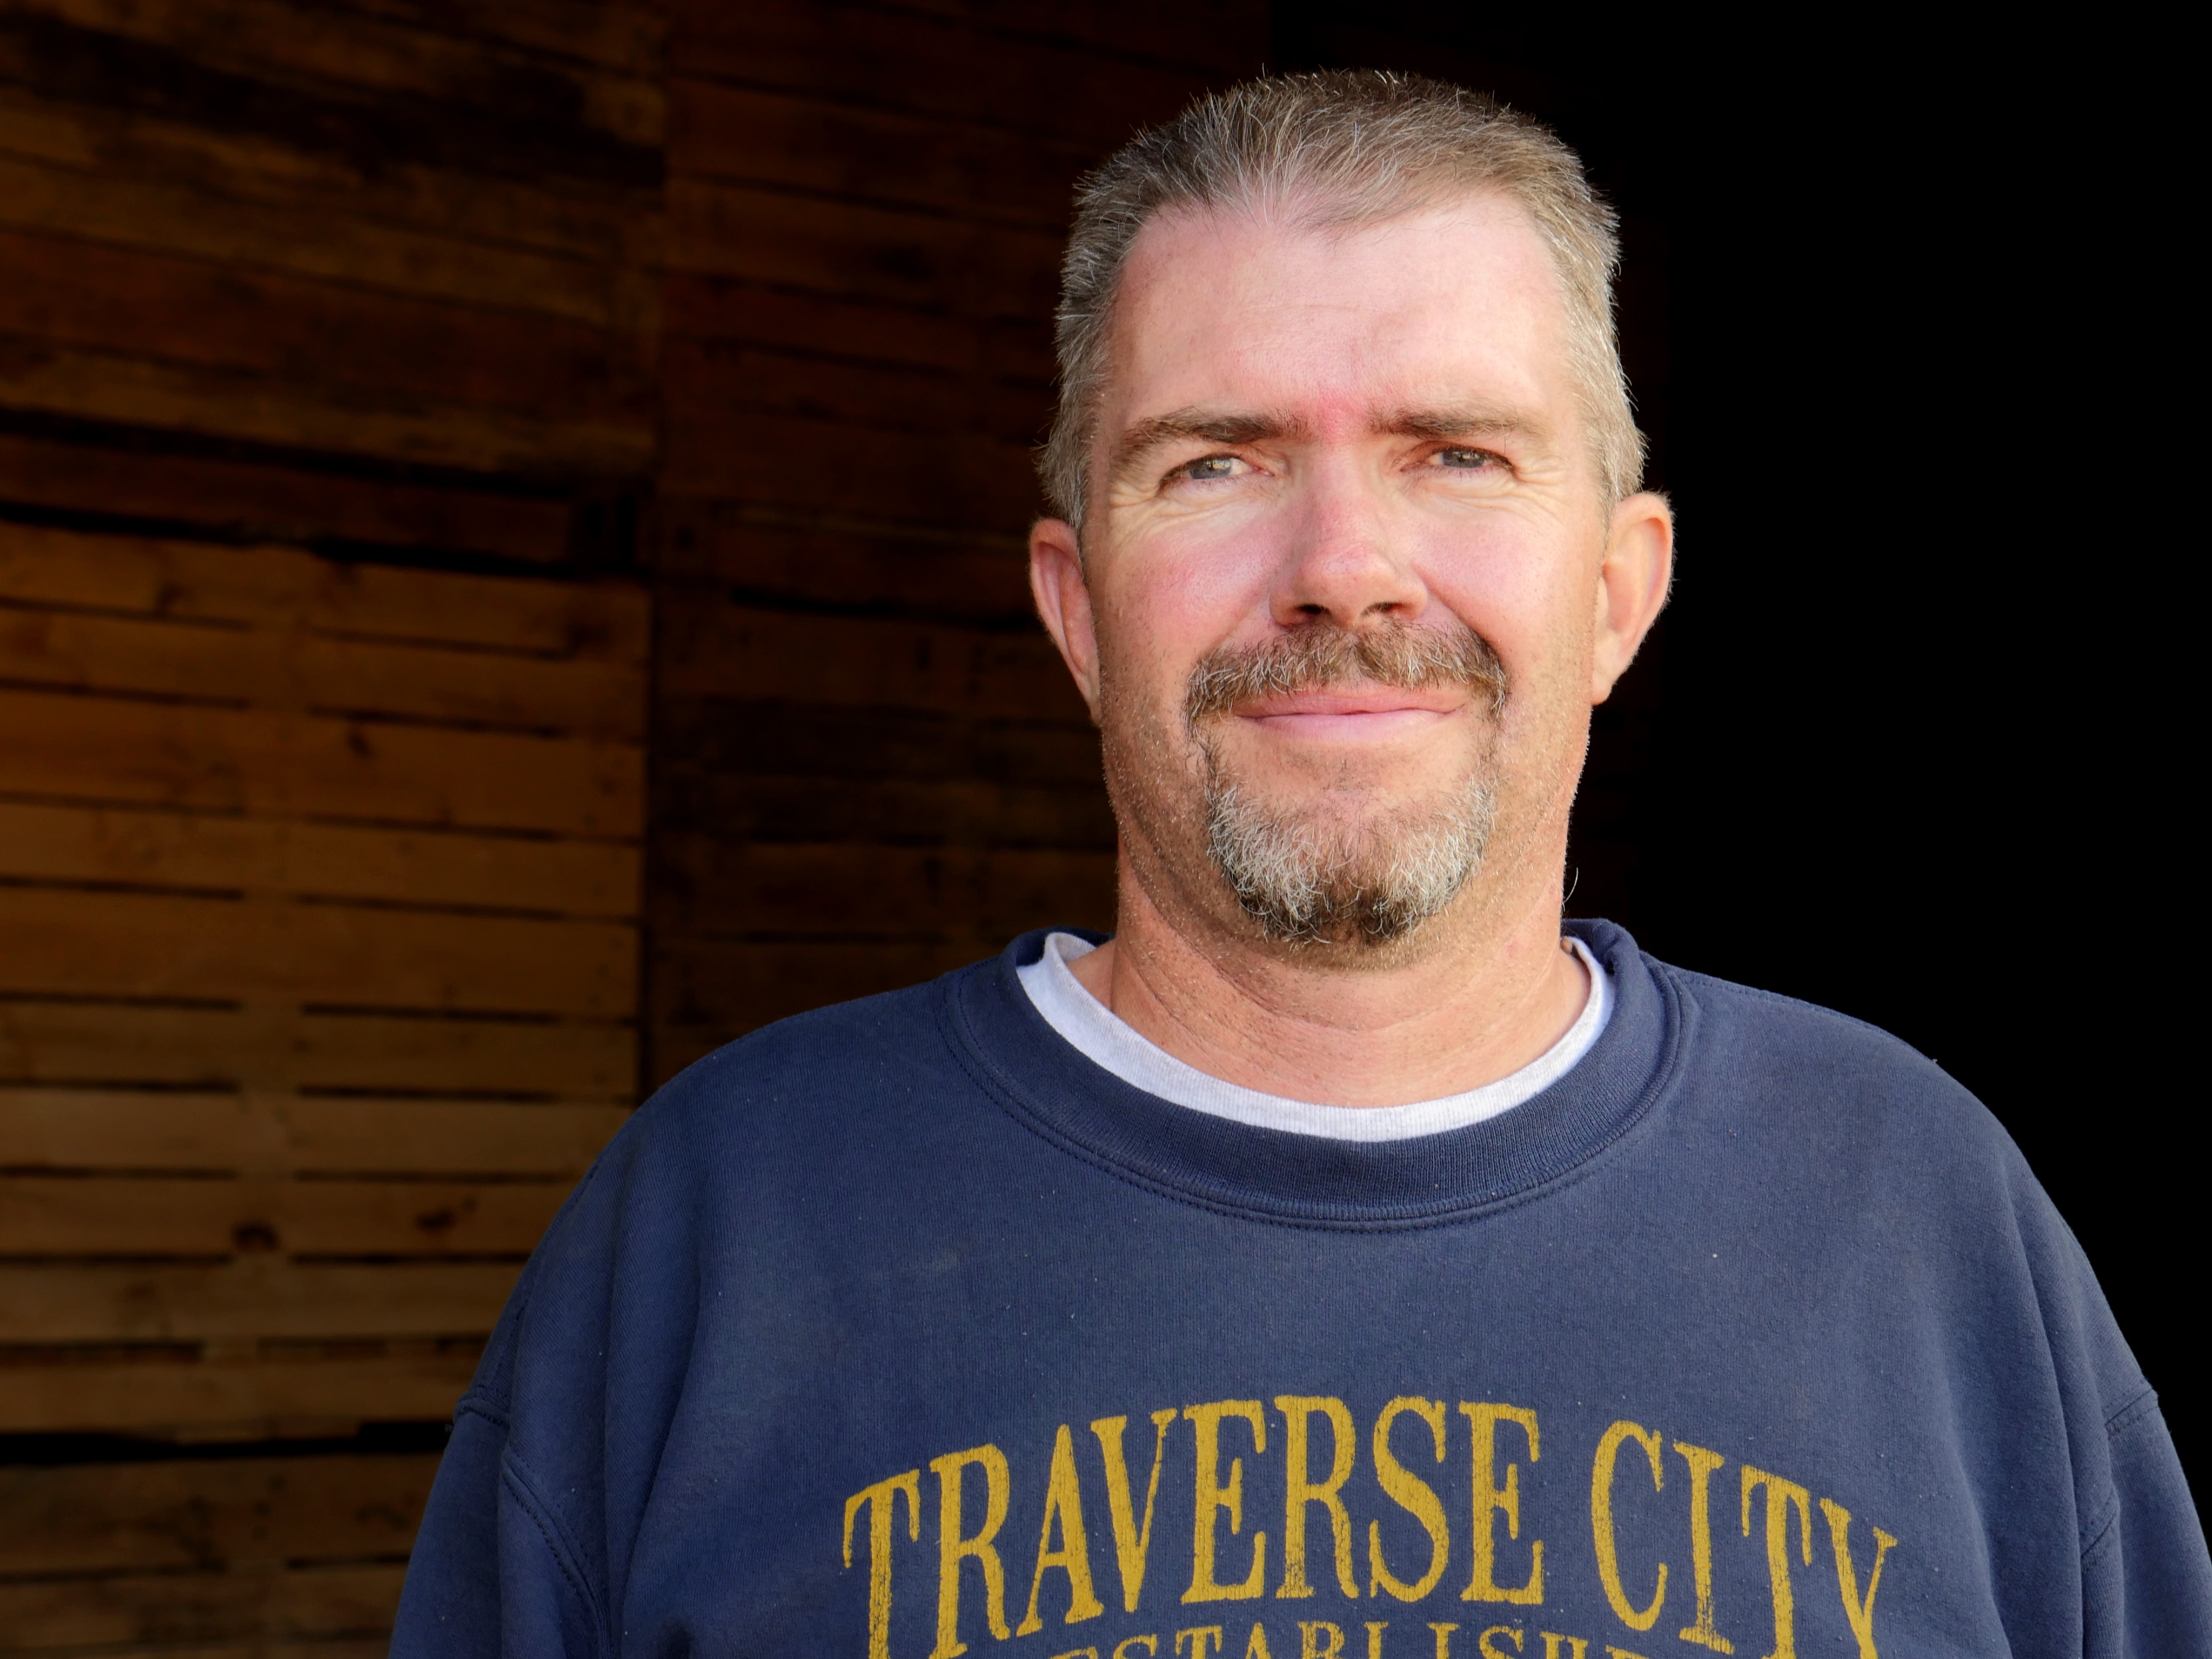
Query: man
1338	1261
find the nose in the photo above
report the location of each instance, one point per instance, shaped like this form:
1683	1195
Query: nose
1341	566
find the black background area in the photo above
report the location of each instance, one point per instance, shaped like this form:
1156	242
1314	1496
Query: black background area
1903	310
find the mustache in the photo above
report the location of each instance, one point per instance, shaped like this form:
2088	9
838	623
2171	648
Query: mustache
1321	656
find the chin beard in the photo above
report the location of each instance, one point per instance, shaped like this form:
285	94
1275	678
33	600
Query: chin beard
1369	884
1309	876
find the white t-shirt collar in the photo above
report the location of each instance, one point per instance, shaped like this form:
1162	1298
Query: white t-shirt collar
1103	1037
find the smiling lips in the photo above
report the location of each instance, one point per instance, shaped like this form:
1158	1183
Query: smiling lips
1378	712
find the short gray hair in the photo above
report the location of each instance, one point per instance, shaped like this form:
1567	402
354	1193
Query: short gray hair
1348	147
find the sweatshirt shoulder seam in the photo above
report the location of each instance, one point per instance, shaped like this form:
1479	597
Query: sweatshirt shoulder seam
547	1520
2139	1407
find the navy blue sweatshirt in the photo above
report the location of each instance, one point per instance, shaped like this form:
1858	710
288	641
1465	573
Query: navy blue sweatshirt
901	1328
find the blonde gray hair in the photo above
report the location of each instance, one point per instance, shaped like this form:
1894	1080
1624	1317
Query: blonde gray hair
1338	148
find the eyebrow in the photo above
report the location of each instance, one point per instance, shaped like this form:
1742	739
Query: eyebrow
1208	426
1467	422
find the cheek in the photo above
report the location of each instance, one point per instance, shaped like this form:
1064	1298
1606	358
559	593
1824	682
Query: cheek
1526	595
1184	592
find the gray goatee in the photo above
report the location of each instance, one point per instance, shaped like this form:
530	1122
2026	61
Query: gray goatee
1306	881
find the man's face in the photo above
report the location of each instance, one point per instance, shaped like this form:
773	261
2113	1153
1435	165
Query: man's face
1341	581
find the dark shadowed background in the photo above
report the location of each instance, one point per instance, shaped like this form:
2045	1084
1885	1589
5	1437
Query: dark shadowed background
510	576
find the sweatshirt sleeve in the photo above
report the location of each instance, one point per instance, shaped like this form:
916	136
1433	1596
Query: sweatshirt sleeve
490	1574
2146	1577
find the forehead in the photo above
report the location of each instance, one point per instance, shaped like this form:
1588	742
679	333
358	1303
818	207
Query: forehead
1258	308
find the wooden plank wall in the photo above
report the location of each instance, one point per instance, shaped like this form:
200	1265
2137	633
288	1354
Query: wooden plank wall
421	426
318	888
869	766
328	405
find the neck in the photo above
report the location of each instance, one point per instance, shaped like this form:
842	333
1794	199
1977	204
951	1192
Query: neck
1491	992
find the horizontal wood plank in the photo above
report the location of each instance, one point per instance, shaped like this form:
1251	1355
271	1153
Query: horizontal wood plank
951	479
1227	38
750	651
201	1513
711	381
95	748
899	60
326	241
603	226
911	257
282	1393
58	941
323	675
891	812
983	579
246	499
710	886
601	621
703	307
250	1298
106	386
40	1615
89	1129
215	1047
265	41
90	1216
618	34
188	312
703	737
800	141
157	848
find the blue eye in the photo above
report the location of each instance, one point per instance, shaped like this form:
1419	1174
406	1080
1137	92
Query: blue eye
1210	466
1464	457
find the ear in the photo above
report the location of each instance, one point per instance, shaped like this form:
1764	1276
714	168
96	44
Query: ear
1063	601
1631	586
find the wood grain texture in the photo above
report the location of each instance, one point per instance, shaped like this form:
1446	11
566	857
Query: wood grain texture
190	312
168	218
859	251
153	848
219	664
270	498
707	307
628	35
1223	40
40	1615
139	391
601	621
65	942
249	1297
897	59
746	134
215	1134
719	888
888	812
727	545
262	40
246	760
756	653
121	1043
712	736
277	1392
154	1216
204	1513
39	123
717	380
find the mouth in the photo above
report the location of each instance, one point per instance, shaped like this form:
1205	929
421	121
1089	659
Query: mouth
1352	716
